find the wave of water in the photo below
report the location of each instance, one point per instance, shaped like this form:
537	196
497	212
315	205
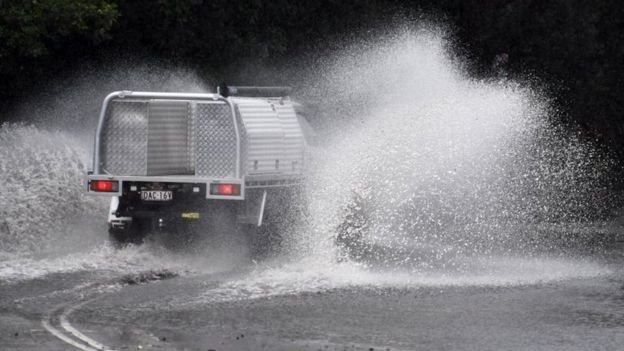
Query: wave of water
441	179
307	276
42	187
432	157
47	223
110	262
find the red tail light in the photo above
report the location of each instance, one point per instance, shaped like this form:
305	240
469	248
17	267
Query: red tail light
225	189
105	186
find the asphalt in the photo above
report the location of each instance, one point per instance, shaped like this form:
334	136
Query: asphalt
233	310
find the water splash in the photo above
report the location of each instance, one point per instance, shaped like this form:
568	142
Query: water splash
434	159
47	223
102	260
439	178
41	182
307	276
45	155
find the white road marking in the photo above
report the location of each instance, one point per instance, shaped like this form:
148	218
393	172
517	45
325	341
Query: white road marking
71	335
65	338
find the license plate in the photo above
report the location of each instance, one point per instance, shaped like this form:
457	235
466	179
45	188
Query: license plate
156	195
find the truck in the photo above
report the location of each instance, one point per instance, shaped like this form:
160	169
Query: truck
168	158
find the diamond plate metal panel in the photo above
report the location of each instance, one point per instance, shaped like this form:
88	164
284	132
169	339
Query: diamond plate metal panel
124	142
169	142
215	135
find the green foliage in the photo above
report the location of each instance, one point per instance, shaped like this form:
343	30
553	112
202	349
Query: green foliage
220	31
38	29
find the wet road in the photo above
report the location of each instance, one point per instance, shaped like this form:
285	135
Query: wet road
575	305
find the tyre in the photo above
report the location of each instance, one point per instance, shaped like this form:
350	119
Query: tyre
351	233
134	233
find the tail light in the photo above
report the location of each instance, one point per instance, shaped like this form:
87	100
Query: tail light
104	186
225	189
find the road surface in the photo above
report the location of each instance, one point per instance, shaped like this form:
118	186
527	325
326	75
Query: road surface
155	299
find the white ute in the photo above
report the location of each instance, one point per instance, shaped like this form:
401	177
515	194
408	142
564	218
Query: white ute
171	157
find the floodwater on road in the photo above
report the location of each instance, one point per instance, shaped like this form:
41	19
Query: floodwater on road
187	304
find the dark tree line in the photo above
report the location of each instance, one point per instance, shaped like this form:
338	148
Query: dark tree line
575	46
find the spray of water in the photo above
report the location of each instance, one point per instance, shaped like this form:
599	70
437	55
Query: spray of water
434	157
434	153
47	223
41	175
432	177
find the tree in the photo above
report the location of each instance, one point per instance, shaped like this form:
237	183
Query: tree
32	32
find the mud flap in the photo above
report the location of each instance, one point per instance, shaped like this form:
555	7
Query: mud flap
253	211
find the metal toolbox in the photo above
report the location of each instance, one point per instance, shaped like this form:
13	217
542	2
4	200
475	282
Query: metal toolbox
228	137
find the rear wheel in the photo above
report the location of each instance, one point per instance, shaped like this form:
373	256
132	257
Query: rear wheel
133	233
351	232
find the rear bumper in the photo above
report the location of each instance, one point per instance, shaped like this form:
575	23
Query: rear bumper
187	200
153	182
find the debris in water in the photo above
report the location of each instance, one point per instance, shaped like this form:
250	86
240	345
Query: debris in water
146	277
